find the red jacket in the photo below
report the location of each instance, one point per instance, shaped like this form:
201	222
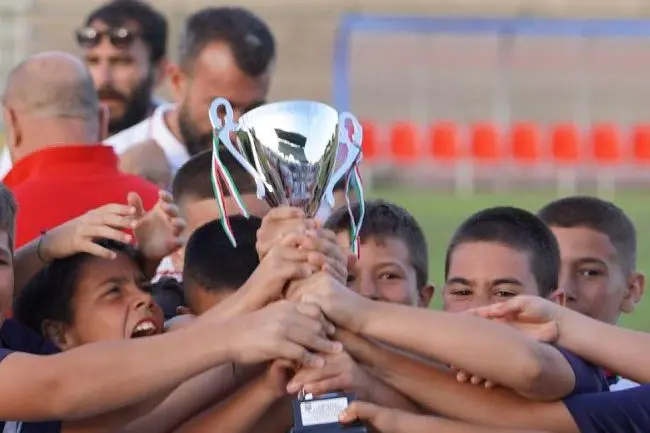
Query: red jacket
57	184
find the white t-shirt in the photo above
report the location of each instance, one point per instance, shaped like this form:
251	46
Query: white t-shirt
153	127
623	384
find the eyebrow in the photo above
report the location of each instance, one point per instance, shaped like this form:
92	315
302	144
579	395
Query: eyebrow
591	260
458	280
512	281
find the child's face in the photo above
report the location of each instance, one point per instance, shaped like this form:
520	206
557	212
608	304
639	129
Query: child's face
484	273
111	302
384	272
593	280
6	273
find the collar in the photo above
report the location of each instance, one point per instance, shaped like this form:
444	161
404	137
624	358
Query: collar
69	161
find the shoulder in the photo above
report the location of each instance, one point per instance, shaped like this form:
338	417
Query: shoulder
16	337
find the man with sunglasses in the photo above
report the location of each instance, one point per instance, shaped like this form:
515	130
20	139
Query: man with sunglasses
124	44
225	51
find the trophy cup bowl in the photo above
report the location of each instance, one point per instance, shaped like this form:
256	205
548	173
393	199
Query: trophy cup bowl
293	146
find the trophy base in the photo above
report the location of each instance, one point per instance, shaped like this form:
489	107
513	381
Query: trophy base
321	414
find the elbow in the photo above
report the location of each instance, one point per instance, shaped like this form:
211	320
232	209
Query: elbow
538	379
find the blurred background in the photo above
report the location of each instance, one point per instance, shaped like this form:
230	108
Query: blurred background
465	104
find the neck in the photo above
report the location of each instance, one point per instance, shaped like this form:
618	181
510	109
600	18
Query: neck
64	132
171	120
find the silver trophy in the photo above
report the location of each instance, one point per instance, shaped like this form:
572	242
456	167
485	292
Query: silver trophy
296	151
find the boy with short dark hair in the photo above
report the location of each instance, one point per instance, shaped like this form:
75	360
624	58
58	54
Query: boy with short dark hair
213	269
598	249
499	253
394	259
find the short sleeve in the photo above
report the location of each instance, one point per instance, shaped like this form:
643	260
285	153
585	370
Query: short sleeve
4	353
589	378
616	412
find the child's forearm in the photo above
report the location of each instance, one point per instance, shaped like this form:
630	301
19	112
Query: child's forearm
239	413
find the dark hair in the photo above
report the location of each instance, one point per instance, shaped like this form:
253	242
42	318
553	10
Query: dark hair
152	24
598	215
194	179
248	37
517	229
8	210
48	296
213	264
387	220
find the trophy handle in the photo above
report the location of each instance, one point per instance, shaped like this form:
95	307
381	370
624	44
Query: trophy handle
221	133
224	129
352	142
354	179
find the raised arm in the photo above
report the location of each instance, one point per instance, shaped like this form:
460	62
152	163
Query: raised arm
625	353
102	377
490	350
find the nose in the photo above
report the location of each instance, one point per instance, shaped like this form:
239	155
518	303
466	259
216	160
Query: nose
102	74
142	300
566	290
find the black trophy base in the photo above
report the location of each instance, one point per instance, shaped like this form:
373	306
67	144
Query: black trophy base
320	414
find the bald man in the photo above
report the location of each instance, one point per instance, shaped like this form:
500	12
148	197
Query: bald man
54	127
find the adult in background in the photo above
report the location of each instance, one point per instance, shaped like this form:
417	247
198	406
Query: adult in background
123	42
54	127
224	51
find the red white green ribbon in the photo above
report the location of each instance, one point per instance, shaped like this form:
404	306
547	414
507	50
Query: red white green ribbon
221	173
354	179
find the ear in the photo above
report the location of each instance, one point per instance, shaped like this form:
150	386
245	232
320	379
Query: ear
56	332
425	295
12	129
103	119
634	292
178	81
160	72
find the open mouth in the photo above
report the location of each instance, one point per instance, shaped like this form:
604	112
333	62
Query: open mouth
144	328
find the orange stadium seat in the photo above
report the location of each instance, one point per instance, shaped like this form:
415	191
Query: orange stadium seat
370	143
525	143
444	141
641	143
605	144
566	143
485	143
404	142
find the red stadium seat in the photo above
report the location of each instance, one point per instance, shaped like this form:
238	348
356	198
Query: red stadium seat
485	143
566	144
404	142
370	143
605	143
526	143
641	143
444	141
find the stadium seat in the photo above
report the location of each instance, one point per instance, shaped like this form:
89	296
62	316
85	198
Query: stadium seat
525	143
605	144
444	141
566	144
485	143
641	143
404	142
370	144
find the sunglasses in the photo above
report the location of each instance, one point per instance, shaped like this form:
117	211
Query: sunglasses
120	37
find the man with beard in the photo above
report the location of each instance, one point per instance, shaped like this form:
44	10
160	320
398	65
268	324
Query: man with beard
227	52
124	44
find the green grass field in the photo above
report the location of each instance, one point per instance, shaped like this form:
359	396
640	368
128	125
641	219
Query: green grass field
440	214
